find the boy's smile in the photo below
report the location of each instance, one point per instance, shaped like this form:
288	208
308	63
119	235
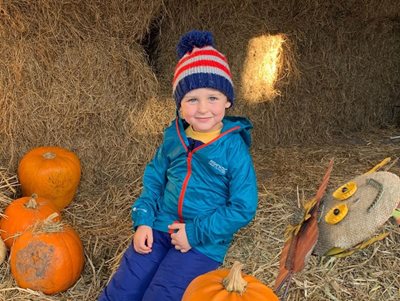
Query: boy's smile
204	109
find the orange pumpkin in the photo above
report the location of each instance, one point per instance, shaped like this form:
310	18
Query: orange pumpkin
226	285
51	172
48	257
22	214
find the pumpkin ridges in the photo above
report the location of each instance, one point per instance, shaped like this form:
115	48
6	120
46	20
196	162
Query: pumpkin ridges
210	286
57	252
56	179
217	296
44	168
78	247
19	217
69	234
68	259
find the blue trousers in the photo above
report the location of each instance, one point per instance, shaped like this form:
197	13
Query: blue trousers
161	275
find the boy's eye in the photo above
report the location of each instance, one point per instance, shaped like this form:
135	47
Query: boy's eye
191	100
213	98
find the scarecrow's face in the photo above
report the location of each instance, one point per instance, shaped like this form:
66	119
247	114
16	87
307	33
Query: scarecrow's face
354	212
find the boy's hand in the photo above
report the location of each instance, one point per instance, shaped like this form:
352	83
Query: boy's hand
143	239
179	238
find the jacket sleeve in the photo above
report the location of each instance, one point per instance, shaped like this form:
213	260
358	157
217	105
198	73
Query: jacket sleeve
240	208
154	181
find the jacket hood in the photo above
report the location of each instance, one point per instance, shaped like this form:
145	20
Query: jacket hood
244	124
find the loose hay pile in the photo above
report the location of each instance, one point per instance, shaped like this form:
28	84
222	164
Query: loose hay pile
74	74
285	175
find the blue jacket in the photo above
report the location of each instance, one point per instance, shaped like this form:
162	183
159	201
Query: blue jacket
212	189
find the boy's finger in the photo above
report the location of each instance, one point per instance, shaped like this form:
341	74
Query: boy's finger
143	250
150	241
175	226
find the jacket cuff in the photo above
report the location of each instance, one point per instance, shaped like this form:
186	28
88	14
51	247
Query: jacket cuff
140	219
139	223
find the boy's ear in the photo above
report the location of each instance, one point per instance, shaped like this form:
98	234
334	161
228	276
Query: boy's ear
228	104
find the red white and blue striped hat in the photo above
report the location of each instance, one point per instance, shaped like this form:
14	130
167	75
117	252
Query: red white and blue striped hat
200	65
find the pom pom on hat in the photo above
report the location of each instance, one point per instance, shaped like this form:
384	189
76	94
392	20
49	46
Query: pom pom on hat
194	38
200	65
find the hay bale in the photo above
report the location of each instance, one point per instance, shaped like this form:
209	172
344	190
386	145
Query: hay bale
83	83
261	68
75	20
82	97
347	81
71	74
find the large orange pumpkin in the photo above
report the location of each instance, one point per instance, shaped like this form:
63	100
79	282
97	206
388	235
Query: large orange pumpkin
51	172
228	285
48	257
22	214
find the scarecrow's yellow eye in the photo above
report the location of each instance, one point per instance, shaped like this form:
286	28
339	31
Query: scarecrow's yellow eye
336	214
345	191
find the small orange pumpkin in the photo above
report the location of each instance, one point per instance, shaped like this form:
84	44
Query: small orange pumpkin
21	214
226	285
51	172
48	257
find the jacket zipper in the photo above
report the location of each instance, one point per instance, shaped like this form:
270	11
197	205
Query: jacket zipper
185	183
189	165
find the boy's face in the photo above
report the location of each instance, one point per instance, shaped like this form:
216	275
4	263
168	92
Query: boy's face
204	109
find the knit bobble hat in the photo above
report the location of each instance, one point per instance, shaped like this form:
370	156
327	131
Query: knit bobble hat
200	65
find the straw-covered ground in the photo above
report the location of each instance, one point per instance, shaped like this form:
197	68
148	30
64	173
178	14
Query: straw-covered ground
286	177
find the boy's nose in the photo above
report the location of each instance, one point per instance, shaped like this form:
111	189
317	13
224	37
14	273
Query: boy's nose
203	106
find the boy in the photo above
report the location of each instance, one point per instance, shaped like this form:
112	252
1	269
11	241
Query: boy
199	189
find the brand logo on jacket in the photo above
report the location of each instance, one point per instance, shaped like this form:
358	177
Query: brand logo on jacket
218	167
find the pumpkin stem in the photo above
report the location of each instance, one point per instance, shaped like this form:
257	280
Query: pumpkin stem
234	282
50	225
32	204
49	155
